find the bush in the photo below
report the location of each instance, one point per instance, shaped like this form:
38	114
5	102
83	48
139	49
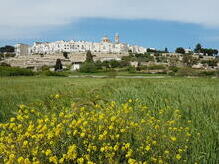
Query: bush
131	69
98	64
114	63
88	68
15	71
96	133
65	54
174	68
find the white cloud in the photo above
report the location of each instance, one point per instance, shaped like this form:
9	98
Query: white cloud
17	17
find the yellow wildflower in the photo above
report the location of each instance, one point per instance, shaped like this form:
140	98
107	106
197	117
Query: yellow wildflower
178	156
173	138
53	159
148	147
48	152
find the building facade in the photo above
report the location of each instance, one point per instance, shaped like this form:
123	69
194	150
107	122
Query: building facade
22	49
105	46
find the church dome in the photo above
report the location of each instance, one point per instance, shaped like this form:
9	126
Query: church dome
105	39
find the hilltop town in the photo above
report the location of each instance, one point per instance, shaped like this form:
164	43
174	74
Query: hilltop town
45	53
109	55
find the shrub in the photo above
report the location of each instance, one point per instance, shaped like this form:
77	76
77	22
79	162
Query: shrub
65	54
58	65
114	63
101	133
15	71
98	64
174	68
131	69
88	68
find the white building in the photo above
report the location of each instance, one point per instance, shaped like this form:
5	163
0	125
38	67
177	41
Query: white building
105	46
22	49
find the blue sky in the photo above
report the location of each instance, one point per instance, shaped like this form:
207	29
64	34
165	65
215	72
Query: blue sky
147	33
149	23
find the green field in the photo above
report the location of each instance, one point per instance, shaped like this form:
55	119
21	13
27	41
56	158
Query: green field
196	98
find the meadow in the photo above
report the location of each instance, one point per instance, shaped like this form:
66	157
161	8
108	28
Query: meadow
170	120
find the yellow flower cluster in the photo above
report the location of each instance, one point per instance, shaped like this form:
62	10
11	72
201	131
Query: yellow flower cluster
107	133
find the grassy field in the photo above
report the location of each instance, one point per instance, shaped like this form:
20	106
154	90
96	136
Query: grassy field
197	99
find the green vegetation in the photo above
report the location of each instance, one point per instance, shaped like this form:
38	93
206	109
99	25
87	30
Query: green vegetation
14	71
91	69
205	51
58	66
180	50
88	68
196	99
7	49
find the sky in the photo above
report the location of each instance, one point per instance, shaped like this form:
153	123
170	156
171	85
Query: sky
149	23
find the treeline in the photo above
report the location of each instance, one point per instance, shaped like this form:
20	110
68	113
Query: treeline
7	49
198	49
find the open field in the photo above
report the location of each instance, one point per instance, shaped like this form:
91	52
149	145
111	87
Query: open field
196	99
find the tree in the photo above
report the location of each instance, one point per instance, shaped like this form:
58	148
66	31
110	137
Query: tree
65	54
198	48
215	52
130	52
7	48
89	57
139	55
166	50
180	50
151	50
58	65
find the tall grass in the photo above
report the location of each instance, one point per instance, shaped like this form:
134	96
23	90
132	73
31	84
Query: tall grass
197	99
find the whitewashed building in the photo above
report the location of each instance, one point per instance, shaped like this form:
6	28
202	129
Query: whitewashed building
105	46
22	49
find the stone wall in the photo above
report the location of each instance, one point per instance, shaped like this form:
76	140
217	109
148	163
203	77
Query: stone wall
37	61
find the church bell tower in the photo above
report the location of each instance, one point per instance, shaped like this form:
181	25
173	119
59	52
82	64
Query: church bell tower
116	38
